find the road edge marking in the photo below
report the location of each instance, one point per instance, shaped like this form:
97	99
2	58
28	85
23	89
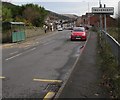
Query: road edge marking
13	56
13	52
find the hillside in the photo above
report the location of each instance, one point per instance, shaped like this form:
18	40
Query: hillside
25	13
58	16
71	16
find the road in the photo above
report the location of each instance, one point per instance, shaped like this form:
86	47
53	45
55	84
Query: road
50	57
84	80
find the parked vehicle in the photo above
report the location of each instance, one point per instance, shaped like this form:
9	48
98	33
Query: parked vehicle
60	29
68	28
78	33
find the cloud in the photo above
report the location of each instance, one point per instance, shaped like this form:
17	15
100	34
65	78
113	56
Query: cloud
61	1
78	8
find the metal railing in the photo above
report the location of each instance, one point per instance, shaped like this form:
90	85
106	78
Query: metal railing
111	38
114	44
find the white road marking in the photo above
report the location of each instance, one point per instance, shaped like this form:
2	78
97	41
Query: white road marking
29	50
49	42
13	52
20	54
14	56
32	49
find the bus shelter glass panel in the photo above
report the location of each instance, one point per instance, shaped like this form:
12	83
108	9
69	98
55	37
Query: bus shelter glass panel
18	32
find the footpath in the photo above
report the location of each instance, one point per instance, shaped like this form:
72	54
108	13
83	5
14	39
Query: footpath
84	81
28	41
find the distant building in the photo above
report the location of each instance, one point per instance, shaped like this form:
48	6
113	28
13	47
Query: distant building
84	19
94	20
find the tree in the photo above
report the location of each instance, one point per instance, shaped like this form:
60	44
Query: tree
6	14
29	13
34	14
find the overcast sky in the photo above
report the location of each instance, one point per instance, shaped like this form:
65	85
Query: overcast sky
78	7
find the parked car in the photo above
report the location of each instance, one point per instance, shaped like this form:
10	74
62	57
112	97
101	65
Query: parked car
78	33
60	29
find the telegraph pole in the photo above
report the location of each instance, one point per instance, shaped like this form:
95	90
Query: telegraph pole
105	27
88	15
100	6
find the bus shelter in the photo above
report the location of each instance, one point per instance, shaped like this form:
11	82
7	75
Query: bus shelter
13	31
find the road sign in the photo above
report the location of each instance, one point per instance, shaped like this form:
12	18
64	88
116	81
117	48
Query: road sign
103	10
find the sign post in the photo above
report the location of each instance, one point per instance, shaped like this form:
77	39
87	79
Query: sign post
105	28
103	11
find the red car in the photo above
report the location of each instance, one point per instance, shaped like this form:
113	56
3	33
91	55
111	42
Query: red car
79	33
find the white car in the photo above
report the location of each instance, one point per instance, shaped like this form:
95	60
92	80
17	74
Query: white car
60	29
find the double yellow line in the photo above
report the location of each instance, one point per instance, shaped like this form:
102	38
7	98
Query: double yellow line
2	77
46	80
50	94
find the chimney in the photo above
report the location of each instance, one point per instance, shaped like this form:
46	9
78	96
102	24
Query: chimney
104	5
100	5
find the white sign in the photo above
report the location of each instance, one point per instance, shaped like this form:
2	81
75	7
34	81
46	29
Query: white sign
106	10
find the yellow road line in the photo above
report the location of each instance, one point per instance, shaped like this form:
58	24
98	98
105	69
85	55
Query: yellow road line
45	80
1	77
49	95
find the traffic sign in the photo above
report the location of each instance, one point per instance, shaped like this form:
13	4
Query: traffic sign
103	10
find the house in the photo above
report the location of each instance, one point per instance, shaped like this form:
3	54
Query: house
94	20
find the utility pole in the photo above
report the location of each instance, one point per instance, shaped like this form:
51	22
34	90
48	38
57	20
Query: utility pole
100	16
88	15
105	27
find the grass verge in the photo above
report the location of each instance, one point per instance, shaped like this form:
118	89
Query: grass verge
113	31
109	67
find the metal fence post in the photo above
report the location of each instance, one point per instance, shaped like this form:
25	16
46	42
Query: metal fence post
105	27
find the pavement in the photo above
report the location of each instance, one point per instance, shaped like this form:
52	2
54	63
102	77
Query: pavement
27	41
84	81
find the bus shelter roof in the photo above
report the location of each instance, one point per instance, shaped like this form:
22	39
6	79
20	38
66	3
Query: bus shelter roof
17	23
